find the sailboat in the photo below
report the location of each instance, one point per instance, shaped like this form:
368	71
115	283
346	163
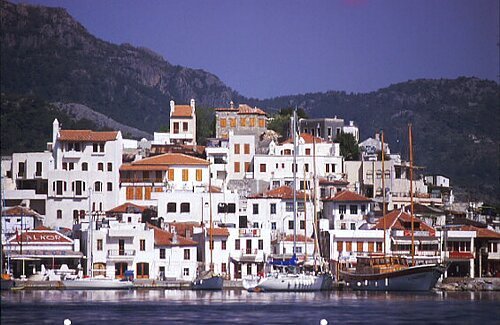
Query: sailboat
380	272
289	279
207	280
98	282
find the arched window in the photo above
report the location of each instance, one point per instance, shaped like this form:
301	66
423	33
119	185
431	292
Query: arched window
98	186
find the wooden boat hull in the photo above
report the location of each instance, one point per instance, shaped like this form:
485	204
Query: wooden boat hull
416	278
97	284
211	283
294	283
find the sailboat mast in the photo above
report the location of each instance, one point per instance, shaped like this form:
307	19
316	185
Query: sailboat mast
211	265
294	169
305	216
383	193
315	221
411	197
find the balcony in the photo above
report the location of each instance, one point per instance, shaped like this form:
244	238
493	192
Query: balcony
72	154
121	254
142	180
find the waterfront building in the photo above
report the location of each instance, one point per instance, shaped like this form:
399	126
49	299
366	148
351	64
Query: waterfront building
346	210
26	252
19	218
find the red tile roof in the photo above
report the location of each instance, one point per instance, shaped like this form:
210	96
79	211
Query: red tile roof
165	238
131	167
308	138
126	207
181	228
283	192
20	211
242	110
394	219
223	232
87	135
481	232
182	111
347	196
171	159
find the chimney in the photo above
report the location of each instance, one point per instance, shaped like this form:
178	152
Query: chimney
231	103
351	123
193	106
377	136
172	107
55	131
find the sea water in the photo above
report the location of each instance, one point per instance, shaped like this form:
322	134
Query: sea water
241	307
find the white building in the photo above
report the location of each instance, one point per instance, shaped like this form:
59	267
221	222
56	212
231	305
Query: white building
19	218
78	172
346	210
276	166
182	125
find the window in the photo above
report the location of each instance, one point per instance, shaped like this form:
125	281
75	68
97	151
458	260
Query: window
100	166
243	121
273	225
236	244
223	245
327	168
101	147
95	147
185	208
110	186
249	268
162	253
82	214
65	165
231	207
236	148
262	168
273	208
187	254
98	186
353	209
255	208
252	121
59	187
38	171
329	130
78	187
142	270
363	208
290	224
59	214
198	175
71	166
170	174
306	167
232	122
224	268
342	208
185	271
298	249
302	224
348	246
99	244
142	244
289	207
343	226
236	167
75	216
379	246
100	206
246	148
262	123
85	166
255	225
247	166
110	167
185	175
340	246
353	226
185	127
222	122
176	127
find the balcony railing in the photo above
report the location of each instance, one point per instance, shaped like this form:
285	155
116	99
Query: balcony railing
142	180
121	253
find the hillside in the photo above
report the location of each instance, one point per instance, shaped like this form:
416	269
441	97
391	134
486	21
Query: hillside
46	53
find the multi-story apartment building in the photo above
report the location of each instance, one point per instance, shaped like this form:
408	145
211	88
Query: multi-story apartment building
328	128
78	172
346	210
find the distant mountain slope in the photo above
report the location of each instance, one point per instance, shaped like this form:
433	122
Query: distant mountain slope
455	125
46	53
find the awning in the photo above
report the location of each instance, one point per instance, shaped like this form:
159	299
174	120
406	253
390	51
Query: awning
246	259
417	241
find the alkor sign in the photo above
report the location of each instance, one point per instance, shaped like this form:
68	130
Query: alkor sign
41	237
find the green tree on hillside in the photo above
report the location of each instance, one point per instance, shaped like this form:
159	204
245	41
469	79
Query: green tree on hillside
349	148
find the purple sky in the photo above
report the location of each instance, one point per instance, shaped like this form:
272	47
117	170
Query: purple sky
267	48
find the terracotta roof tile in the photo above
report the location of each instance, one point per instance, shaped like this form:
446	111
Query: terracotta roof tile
283	192
19	210
87	135
324	181
128	207
394	219
171	159
481	232
131	167
182	111
182	228
165	238
308	138
299	238
242	109
223	232
347	196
